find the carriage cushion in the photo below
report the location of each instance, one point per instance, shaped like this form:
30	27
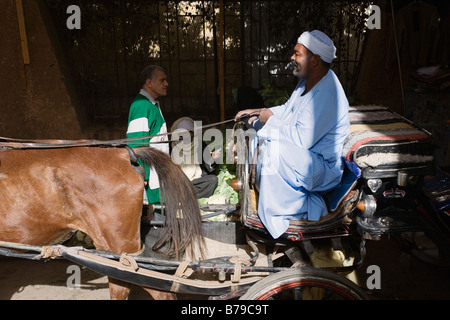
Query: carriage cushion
381	139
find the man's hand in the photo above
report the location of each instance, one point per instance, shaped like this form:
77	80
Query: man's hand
252	115
264	115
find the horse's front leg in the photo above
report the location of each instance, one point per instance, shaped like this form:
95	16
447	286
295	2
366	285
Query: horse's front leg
160	295
118	290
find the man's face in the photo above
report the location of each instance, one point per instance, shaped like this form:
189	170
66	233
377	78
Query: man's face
158	84
301	59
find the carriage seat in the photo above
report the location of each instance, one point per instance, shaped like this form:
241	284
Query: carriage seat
380	144
340	200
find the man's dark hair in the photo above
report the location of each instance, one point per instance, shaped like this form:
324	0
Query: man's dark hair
147	73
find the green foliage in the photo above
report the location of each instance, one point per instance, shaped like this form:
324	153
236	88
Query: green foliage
223	187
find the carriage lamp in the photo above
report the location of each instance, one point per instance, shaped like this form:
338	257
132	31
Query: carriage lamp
367	205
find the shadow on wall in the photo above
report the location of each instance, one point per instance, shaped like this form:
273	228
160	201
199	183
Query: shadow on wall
37	100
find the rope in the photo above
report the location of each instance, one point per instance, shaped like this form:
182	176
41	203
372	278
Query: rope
51	252
128	263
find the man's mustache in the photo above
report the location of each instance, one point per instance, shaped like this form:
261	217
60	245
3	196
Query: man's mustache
292	64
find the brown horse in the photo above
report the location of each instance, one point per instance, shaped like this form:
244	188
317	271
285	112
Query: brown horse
45	194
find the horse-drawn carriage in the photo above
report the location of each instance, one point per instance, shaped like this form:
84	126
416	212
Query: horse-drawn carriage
52	188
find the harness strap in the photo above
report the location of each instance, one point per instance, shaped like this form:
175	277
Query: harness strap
236	276
127	263
154	279
11	143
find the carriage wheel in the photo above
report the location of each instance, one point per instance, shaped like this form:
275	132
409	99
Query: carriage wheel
305	283
433	250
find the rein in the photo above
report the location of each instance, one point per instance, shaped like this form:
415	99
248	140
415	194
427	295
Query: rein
10	143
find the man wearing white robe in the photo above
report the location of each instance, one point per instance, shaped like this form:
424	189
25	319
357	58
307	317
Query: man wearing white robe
301	141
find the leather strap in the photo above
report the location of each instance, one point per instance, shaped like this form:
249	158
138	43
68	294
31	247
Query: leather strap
11	143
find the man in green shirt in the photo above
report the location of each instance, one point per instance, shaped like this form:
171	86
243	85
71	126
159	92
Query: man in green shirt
146	119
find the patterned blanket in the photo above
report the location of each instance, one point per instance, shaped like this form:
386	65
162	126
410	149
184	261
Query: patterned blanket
382	141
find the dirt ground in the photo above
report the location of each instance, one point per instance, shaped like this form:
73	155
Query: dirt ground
403	277
37	280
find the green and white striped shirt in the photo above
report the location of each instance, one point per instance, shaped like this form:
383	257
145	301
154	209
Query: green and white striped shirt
146	119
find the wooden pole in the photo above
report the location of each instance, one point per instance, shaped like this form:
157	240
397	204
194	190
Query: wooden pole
23	32
398	60
221	62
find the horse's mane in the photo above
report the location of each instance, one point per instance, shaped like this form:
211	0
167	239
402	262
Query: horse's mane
183	229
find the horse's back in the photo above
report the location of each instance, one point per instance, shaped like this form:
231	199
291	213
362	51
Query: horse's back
47	192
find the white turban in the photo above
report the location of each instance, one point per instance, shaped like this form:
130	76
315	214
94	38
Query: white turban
318	43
